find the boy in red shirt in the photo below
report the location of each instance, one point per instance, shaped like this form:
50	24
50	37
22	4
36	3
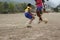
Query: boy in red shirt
39	6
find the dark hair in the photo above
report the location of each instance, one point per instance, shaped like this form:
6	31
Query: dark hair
35	0
43	1
29	4
47	0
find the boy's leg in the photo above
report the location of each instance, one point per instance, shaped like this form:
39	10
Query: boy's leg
39	14
30	22
31	18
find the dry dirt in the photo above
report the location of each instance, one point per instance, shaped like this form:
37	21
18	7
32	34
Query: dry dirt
12	27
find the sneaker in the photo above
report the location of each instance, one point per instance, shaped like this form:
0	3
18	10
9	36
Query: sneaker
29	26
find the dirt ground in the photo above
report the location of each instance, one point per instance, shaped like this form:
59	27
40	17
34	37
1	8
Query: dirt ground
12	27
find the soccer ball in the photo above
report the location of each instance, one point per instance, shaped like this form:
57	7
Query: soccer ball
45	20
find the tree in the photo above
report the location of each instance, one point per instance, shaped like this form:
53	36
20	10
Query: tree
11	7
22	6
1	7
5	7
56	9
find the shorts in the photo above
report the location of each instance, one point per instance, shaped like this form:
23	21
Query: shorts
28	15
39	9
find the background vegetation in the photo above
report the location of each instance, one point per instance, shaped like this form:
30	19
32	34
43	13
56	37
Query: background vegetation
11	7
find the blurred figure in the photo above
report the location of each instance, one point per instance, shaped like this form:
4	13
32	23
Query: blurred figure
44	6
39	12
39	9
29	15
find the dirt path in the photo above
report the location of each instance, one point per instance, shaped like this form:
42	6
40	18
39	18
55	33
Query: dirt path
12	28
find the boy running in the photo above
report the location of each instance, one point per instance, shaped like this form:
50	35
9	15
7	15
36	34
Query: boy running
39	5
39	9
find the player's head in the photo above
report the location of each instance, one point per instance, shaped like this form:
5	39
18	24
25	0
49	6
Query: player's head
29	4
35	0
47	0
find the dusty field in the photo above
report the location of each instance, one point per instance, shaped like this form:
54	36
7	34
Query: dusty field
12	27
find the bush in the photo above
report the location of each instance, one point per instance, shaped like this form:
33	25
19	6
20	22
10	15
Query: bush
11	7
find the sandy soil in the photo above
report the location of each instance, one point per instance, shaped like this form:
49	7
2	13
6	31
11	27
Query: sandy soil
12	27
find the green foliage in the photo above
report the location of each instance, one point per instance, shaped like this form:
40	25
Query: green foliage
21	6
1	6
11	7
5	7
55	9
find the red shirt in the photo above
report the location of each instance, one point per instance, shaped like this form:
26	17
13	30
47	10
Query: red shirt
38	3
